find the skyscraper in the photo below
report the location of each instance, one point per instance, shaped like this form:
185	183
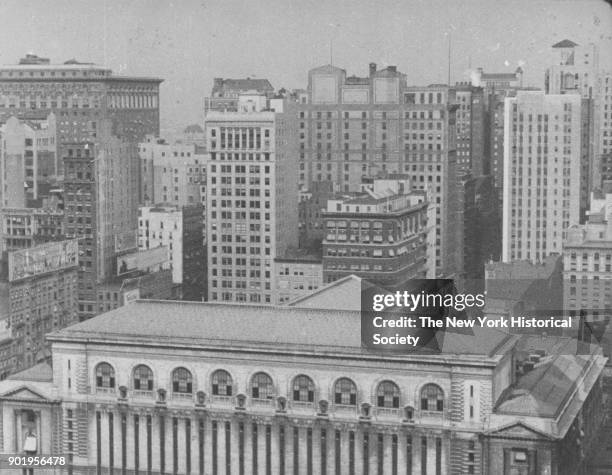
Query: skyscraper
99	120
252	197
542	173
354	127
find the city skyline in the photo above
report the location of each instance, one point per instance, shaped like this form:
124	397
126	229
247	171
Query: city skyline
281	41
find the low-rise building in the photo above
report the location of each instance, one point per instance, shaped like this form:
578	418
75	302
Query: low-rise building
297	273
39	286
382	234
190	387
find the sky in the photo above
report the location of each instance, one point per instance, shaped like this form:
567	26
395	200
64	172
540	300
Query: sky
189	42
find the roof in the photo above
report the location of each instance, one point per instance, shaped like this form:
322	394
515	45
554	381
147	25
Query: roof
261	328
40	372
543	391
565	44
343	293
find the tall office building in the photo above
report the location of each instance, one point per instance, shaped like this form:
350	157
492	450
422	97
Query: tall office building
252	197
29	164
471	123
542	173
355	127
576	70
100	118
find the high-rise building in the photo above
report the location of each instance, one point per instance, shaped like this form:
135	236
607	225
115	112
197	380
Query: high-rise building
100	118
471	123
542	173
312	203
381	235
40	285
355	127
101	209
576	70
252	197
481	229
171	173
181	231
29	163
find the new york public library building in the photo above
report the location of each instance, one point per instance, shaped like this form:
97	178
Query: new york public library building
196	388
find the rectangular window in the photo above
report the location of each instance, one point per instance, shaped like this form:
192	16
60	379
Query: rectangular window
366	454
337	451
296	450
123	442
281	454
241	448
111	445
323	452
175	444
188	445
268	450
98	442
201	444
228	447
309	451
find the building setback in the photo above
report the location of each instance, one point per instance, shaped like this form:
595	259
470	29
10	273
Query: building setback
542	173
252	197
190	387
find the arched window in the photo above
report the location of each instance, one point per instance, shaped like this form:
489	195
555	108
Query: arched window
221	383
143	378
303	389
345	392
262	386
105	376
387	395
432	398
182	381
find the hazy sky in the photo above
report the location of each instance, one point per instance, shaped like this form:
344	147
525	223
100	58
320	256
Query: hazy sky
188	42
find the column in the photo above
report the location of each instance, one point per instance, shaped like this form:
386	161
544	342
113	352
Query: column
288	449
181	445
431	455
221	461
331	450
248	444
445	454
208	443
235	445
359	431
303	449
316	449
387	453
104	442
275	443
344	452
417	440
373	452
401	453
261	448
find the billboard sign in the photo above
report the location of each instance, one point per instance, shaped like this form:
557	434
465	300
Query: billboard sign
146	260
49	257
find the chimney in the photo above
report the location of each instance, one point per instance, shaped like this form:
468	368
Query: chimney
372	69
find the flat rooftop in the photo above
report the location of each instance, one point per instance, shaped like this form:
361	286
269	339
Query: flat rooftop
268	328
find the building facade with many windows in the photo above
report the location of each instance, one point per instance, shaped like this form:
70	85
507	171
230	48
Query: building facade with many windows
252	199
213	392
542	173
